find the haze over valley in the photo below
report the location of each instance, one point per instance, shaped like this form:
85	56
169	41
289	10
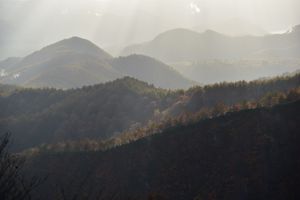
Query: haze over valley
149	99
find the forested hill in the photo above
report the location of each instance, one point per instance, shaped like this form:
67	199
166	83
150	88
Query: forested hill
199	98
251	154
37	116
7	89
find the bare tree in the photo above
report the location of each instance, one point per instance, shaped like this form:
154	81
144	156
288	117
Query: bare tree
13	185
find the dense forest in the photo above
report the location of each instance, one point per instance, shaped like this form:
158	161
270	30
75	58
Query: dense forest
37	116
159	124
127	139
250	154
149	100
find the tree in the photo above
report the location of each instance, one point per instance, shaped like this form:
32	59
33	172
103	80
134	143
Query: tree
219	109
13	185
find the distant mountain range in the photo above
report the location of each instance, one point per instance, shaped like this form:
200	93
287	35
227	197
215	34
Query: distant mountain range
234	27
215	71
76	62
185	45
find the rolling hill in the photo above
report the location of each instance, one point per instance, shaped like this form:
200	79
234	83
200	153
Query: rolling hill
151	71
38	116
76	62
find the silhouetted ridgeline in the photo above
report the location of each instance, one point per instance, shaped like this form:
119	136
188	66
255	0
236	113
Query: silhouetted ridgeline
7	89
161	124
104	111
38	116
251	154
231	93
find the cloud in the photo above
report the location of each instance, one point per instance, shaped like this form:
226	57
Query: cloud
15	76
195	8
3	73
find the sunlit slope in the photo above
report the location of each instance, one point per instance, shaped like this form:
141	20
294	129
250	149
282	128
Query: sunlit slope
241	155
38	116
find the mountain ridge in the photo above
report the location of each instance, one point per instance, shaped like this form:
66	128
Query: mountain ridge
37	116
76	62
188	45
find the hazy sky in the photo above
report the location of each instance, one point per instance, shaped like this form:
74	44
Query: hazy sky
29	24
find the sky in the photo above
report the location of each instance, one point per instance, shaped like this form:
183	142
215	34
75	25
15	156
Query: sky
27	25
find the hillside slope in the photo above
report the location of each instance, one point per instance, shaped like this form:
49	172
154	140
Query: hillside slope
151	71
76	62
37	116
252	154
72	62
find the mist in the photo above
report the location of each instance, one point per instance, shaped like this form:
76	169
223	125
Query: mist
149	99
26	25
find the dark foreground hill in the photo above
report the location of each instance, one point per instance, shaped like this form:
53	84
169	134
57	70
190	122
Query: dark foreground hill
251	154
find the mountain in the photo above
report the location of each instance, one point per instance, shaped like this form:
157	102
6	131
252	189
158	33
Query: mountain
74	45
8	65
235	27
152	71
251	154
69	63
38	116
181	45
269	64
288	52
76	62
